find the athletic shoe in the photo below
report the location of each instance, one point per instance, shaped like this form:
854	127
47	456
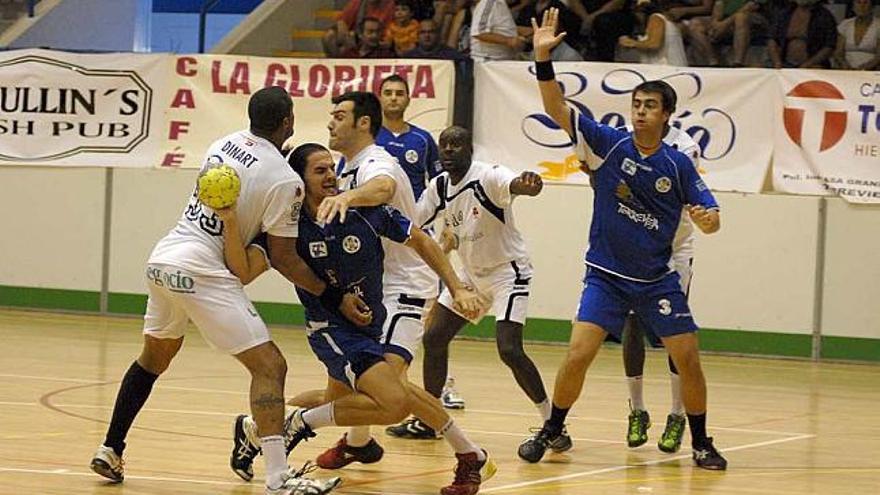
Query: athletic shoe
670	441
707	457
295	429
561	443
295	484
637	430
108	464
243	450
413	429
533	448
470	472
449	397
344	454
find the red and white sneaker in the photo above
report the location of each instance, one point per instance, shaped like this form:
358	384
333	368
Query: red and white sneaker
343	454
470	472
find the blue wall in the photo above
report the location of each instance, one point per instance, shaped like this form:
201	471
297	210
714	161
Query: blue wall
86	25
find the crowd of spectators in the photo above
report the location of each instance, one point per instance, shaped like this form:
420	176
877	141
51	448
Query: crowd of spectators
710	33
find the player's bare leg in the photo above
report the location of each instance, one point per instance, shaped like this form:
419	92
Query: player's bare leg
684	350
586	339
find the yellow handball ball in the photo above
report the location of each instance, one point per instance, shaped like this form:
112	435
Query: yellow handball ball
219	186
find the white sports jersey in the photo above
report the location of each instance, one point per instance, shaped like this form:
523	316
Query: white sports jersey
479	211
405	272
683	243
270	200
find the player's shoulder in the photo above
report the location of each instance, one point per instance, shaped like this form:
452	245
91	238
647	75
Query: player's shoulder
676	157
420	132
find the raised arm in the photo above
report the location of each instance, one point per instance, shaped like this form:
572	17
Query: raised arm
377	191
544	40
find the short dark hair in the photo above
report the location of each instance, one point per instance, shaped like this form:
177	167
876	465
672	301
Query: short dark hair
395	78
299	157
667	94
365	20
366	104
268	108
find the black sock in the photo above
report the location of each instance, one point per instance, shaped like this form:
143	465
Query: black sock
697	423
557	419
133	392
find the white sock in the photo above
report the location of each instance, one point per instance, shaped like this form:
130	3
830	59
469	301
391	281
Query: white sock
635	392
460	443
276	460
319	417
677	406
358	436
544	409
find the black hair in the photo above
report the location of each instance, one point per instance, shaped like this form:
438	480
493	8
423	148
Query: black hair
268	108
360	26
366	104
300	156
667	94
395	78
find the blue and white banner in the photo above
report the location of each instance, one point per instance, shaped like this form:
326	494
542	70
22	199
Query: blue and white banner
730	113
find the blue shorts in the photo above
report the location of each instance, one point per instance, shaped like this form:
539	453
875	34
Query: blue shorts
347	354
660	306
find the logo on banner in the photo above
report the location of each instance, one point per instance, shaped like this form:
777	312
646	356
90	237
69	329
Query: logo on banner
72	110
833	121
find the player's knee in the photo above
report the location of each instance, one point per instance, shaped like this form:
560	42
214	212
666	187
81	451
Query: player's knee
435	341
396	406
511	353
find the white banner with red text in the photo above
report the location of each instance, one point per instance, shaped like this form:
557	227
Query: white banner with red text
729	113
133	110
829	142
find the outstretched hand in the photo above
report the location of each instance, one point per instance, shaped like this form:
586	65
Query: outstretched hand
544	37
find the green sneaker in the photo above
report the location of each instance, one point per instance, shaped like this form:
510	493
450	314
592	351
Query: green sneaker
670	441
637	432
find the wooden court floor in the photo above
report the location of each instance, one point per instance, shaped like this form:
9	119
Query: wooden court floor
787	427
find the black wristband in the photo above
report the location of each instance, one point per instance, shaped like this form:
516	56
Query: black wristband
544	71
331	298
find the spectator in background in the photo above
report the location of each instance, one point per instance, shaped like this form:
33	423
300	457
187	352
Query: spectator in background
661	42
603	22
571	47
804	36
731	19
494	34
402	32
368	41
341	37
429	45
683	11
458	36
858	43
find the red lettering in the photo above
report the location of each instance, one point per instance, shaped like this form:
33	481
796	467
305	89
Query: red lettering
379	73
424	84
239	80
365	77
344	75
184	98
319	79
216	85
173	159
177	128
272	73
294	89
183	64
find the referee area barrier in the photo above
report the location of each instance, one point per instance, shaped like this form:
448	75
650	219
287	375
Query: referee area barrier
790	275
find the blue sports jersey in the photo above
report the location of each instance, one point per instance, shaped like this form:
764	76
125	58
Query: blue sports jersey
638	201
416	152
350	256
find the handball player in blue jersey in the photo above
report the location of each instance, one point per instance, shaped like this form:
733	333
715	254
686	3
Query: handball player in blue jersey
363	388
641	187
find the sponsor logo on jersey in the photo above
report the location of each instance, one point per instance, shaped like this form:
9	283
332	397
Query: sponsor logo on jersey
647	220
623	192
294	213
629	167
663	185
411	156
318	249
351	244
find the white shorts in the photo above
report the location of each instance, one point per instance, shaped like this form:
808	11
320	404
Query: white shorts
404	325
684	267
504	288
218	306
